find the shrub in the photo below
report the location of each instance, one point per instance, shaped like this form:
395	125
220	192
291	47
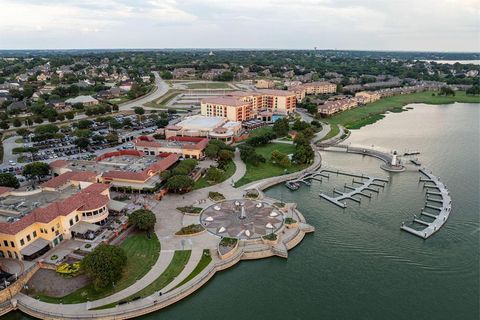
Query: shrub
191	229
228	242
216	196
290	220
190	209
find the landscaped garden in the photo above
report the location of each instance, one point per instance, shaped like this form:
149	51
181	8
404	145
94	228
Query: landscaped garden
216	196
268	169
176	266
190	209
225	174
190	229
141	252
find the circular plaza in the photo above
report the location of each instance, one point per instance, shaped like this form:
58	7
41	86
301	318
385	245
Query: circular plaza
242	219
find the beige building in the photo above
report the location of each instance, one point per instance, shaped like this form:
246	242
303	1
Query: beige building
265	84
242	106
318	87
203	126
365	97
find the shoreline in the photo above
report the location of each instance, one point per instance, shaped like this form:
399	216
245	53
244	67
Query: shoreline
359	117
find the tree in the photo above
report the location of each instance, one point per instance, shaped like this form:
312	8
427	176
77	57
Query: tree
166	75
9	180
281	127
70	115
4	125
161	123
214	174
474	90
211	151
280	159
82	142
303	154
105	265
17	123
142	219
180	184
225	76
112	137
139	111
46	129
224	157
36	169
84	124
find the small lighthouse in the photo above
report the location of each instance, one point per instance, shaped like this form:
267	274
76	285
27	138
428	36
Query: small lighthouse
394	162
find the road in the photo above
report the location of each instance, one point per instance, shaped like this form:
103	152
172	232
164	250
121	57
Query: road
308	118
161	87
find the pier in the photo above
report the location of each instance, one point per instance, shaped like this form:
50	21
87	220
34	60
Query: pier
339	197
444	208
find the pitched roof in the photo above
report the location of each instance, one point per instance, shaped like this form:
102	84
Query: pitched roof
85	200
67	177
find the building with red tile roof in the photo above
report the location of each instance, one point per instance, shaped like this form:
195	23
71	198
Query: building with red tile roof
37	231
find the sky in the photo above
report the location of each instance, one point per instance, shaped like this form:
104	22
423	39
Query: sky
419	25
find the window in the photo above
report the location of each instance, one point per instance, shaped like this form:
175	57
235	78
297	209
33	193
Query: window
76	218
22	242
58	225
5	243
28	238
34	234
12	244
41	230
71	222
53	229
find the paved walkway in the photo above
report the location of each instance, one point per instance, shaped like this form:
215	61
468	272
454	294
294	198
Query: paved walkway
158	268
195	258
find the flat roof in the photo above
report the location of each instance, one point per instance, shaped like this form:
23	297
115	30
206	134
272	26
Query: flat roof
201	123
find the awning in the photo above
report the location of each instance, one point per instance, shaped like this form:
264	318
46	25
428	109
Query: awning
34	247
116	205
82	227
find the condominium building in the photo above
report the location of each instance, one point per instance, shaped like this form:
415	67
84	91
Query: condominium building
318	87
331	107
365	97
243	106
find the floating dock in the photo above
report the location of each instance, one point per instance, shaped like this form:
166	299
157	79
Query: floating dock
357	188
443	206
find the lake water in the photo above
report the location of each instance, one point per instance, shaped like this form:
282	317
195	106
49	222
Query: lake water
359	264
476	62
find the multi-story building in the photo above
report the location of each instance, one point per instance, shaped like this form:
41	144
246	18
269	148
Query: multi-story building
42	218
265	84
333	106
318	87
365	97
243	106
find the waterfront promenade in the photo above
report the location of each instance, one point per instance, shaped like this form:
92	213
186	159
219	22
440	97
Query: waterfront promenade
169	221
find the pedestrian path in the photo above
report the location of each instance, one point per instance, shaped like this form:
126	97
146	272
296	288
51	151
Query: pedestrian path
195	258
158	268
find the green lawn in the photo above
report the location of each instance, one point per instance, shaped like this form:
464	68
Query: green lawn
142	253
178	263
260	131
229	171
356	118
267	169
202	264
208	85
163	100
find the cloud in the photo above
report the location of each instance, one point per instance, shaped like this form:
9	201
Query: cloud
369	24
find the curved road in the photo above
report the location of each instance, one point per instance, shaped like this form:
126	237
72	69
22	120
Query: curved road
161	87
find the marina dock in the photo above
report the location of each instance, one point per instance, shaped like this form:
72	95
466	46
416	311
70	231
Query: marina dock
443	206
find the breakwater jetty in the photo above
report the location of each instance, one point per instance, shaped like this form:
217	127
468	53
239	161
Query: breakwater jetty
439	204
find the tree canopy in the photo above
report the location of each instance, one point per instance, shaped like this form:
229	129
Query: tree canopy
104	264
142	219
36	169
9	180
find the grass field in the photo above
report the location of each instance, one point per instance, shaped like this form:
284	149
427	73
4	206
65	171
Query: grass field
202	264
353	118
163	100
208	85
142	253
178	263
267	169
229	171
371	113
